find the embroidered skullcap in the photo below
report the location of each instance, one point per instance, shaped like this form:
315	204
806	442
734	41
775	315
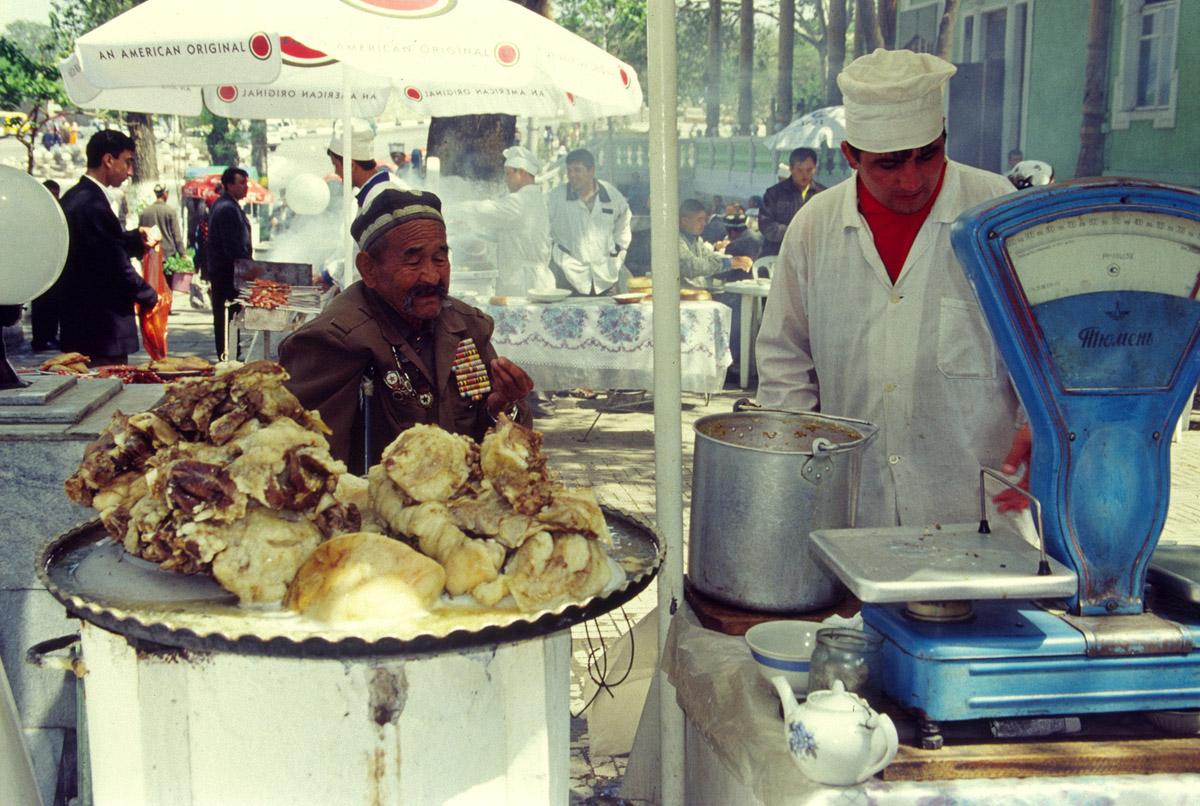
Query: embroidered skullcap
893	99
362	140
734	220
521	157
391	208
160	189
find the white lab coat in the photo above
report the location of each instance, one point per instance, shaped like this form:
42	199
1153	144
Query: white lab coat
916	358
589	245
520	224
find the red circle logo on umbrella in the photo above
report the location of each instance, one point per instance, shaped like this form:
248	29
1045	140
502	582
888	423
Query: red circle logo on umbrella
227	93
403	8
260	46
298	54
624	77
507	54
571	98
413	94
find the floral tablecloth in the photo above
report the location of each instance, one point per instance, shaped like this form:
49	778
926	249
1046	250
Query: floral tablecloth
599	344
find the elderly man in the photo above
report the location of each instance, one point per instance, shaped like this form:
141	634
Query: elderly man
870	315
397	333
520	225
162	215
590	230
782	200
228	240
99	286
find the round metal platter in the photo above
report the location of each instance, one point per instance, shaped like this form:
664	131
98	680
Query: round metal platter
98	582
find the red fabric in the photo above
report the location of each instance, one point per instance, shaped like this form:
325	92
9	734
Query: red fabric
154	321
894	233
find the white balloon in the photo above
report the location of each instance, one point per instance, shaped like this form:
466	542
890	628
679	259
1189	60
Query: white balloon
33	237
282	170
307	194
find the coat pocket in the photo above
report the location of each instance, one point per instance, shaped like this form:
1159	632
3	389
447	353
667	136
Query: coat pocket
965	347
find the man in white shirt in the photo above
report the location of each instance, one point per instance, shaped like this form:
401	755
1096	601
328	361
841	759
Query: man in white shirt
589	230
870	315
520	225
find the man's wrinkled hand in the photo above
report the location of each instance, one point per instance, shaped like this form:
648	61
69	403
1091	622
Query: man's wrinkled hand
741	262
510	383
1022	447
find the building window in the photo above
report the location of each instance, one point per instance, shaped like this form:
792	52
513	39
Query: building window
1147	81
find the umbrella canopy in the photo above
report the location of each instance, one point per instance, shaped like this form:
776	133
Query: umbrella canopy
824	127
272	58
202	187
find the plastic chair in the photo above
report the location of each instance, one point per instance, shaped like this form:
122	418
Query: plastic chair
765	264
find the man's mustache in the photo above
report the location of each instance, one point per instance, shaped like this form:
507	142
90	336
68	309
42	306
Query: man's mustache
423	290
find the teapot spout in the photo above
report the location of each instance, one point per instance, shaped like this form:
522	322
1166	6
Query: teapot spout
786	695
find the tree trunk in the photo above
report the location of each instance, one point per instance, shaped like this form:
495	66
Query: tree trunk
867	38
470	145
1091	139
145	150
746	67
712	113
835	54
945	39
787	47
886	15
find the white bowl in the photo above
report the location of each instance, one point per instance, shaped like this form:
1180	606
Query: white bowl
784	648
547	294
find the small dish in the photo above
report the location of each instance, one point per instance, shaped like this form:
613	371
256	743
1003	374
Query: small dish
629	299
548	294
784	647
1180	723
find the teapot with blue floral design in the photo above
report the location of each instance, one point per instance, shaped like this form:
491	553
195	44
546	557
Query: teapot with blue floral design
834	736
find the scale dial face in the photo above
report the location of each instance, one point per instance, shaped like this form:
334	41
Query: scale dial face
1107	251
1114	294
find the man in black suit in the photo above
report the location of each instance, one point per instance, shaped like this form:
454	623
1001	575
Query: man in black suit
99	285
783	200
228	240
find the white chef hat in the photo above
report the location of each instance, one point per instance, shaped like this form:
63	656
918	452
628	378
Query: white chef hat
521	157
893	99
362	140
782	171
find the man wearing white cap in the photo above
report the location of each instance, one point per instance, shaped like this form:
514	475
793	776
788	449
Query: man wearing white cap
366	175
870	315
520	225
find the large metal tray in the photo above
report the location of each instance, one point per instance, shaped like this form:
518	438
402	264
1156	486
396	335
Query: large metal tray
98	582
1176	569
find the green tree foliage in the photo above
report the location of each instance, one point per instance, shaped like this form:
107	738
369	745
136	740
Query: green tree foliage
35	40
29	86
617	26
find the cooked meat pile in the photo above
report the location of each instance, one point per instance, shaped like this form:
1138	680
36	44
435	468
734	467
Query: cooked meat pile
230	476
493	515
233	478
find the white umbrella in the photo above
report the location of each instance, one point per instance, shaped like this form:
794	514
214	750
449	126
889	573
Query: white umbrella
824	127
445	58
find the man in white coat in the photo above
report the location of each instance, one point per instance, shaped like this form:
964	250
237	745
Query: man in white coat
870	315
520	225
590	230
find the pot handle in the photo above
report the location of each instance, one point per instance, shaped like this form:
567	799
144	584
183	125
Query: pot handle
891	744
39	655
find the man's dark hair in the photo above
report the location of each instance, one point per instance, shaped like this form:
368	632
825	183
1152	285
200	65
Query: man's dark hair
691	207
801	154
581	155
107	141
231	174
857	152
1016	152
52	186
366	165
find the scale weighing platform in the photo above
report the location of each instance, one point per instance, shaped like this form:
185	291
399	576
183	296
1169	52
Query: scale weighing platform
1090	289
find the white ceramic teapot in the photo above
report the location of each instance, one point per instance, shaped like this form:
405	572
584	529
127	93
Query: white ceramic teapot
834	736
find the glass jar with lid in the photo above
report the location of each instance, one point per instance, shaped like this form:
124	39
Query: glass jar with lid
852	656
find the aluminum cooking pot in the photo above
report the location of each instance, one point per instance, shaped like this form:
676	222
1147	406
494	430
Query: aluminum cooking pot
762	480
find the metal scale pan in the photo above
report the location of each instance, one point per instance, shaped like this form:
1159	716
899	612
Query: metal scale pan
1090	289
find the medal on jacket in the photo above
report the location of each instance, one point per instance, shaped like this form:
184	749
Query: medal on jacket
469	372
399	382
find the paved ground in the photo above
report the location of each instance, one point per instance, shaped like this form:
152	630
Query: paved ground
618	460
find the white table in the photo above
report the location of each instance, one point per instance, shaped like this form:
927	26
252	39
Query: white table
750	291
596	343
735	750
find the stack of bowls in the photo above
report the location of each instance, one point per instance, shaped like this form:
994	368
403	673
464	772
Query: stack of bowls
784	648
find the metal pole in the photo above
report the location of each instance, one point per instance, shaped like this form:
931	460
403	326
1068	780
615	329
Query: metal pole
348	208
668	419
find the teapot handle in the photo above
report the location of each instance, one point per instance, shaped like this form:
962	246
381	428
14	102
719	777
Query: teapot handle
891	744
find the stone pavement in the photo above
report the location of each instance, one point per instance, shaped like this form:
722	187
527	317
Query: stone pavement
617	459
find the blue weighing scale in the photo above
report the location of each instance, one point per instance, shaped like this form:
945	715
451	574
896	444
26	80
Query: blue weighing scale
1090	289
